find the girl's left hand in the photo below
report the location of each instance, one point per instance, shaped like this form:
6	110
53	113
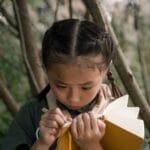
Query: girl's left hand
87	130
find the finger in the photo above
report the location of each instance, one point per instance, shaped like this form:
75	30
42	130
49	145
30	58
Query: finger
50	131
80	125
53	115
69	119
43	126
45	113
93	120
54	131
50	123
58	111
87	122
101	125
57	118
74	128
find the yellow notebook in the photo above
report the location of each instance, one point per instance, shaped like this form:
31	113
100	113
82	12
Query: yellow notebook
124	131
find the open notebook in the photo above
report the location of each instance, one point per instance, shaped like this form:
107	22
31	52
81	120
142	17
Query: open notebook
124	131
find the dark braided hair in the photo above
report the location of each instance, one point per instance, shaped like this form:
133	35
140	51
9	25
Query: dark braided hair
116	92
68	39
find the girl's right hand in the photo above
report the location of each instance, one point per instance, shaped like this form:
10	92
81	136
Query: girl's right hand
50	125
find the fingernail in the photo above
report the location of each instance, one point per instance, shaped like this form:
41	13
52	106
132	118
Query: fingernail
44	110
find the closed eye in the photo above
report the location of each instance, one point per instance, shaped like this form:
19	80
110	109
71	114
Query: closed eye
87	88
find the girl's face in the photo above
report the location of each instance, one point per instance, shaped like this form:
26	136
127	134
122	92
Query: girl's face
73	85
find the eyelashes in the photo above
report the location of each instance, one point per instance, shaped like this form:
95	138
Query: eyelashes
86	88
65	87
61	86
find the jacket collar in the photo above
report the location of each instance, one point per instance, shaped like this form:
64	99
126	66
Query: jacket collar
97	105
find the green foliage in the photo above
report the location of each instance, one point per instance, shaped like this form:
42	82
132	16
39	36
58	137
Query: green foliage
12	71
12	68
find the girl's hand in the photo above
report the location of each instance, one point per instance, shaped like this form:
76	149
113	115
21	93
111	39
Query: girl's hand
50	125
87	131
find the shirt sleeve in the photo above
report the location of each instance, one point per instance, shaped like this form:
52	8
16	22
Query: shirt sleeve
21	134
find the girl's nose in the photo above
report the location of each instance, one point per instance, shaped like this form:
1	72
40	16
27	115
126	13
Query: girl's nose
73	95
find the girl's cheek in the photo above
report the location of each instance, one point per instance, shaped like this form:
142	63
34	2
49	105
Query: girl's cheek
59	94
91	94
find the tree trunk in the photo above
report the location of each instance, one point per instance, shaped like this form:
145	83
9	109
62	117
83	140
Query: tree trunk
31	53
94	11
8	99
70	9
122	68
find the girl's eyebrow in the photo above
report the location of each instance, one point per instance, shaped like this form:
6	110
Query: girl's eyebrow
58	81
86	83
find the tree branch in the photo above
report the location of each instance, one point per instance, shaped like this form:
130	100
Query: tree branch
9	28
70	9
8	99
8	18
94	11
56	10
22	42
28	45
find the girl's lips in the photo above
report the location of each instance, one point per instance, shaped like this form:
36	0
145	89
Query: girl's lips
74	107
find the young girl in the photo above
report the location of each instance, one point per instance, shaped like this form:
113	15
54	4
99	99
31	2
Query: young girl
76	55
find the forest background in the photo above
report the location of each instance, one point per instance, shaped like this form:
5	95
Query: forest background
22	25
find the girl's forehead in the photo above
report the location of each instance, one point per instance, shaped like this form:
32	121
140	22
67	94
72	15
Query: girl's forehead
81	71
73	74
83	62
88	61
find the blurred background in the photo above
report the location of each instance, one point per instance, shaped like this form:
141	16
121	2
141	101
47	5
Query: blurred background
22	25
